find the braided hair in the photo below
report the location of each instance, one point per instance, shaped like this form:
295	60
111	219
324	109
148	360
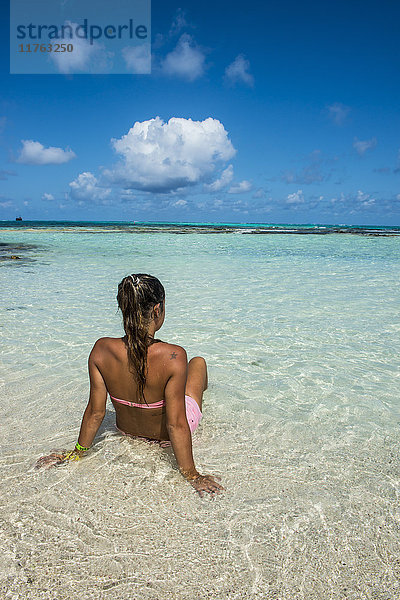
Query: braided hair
137	295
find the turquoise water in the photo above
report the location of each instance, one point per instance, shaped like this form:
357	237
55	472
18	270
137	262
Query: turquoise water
301	418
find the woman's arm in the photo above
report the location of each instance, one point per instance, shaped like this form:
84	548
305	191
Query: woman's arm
96	407
92	417
177	425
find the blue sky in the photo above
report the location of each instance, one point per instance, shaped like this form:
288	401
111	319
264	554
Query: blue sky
277	112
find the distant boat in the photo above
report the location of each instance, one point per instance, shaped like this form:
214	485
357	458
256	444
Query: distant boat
18	218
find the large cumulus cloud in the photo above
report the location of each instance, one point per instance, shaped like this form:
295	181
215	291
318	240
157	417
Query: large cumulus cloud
165	157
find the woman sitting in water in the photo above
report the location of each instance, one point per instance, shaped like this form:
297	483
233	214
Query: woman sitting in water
156	394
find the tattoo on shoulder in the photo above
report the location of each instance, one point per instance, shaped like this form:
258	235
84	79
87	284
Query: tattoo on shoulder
173	355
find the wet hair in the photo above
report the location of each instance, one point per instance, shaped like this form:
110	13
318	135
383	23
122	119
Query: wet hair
137	296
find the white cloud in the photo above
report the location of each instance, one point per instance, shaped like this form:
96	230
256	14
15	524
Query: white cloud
164	157
186	60
86	187
179	203
260	193
365	199
6	203
338	112
137	59
223	181
34	153
362	146
47	197
295	198
238	71
92	58
239	188
179	22
361	196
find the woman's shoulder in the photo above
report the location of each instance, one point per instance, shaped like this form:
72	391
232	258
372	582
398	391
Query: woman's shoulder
106	343
107	340
173	351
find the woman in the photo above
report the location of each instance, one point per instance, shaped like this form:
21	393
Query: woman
156	394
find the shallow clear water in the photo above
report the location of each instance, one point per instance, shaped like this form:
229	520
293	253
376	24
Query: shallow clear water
301	420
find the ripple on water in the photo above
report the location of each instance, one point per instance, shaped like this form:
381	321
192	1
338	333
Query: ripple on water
300	420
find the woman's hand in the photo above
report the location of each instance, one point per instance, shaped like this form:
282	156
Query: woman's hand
51	460
57	458
206	483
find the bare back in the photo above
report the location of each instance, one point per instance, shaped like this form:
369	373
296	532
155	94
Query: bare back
112	362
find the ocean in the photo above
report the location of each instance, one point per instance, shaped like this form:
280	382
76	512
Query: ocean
300	328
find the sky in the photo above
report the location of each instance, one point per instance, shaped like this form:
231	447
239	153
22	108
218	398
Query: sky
263	112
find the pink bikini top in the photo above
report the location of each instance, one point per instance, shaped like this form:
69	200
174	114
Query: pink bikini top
159	404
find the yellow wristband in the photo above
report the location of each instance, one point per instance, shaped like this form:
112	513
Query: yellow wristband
80	448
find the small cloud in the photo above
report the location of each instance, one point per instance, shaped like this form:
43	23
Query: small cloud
86	188
308	175
3	121
364	199
240	188
295	198
338	112
47	197
382	170
4	175
179	203
363	145
238	71
185	61
314	172
127	196
87	57
5	202
361	196
34	153
137	59
179	22
352	203
260	193
223	181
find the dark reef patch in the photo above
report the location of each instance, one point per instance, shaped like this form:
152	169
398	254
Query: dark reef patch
17	253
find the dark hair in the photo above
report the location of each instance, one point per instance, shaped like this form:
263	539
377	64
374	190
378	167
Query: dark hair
137	295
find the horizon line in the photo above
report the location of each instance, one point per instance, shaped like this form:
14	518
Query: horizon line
226	223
